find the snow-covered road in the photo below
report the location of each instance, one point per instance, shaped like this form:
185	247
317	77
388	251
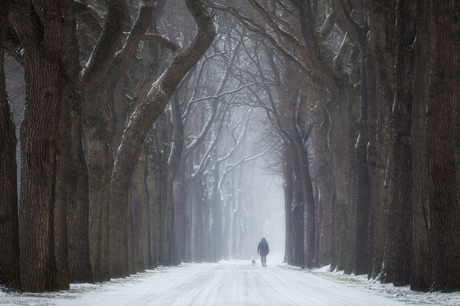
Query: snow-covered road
232	283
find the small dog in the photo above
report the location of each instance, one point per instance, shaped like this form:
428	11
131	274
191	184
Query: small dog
253	262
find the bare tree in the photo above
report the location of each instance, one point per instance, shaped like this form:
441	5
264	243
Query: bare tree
144	115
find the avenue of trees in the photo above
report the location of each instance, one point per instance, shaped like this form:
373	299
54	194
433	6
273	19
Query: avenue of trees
138	122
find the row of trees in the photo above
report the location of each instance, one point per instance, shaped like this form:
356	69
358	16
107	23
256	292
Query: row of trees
358	101
366	101
102	192
71	189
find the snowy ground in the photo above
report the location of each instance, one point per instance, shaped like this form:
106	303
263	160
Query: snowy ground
235	283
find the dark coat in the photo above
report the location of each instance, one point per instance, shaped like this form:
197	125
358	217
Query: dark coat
263	248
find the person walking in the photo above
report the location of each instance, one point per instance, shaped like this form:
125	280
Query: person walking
263	249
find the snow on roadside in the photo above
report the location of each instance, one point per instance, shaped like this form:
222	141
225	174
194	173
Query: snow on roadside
77	290
402	294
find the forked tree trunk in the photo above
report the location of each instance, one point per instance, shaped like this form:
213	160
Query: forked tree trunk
142	119
98	138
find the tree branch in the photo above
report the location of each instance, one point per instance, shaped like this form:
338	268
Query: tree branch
162	40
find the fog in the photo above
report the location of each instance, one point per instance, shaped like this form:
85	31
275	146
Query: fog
257	204
268	214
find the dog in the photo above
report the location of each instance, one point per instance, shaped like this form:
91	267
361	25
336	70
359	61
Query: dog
253	262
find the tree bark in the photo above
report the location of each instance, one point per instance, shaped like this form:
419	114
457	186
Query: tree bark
174	161
139	212
288	187
381	25
297	212
363	194
442	123
307	192
401	206
421	267
99	138
73	164
9	226
323	177
39	268
372	152
343	193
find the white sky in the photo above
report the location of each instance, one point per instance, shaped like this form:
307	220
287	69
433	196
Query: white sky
235	283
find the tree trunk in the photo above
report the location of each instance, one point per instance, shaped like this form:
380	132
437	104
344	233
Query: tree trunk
74	164
235	230
99	138
161	169
197	220
39	269
102	102
9	226
372	152
174	162
381	24
149	217
421	275
139	211
100	161
180	190
198	199
343	193
156	179
297	212
227	221
442	123
216	215
307	192
363	196
401	206
128	240
324	191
